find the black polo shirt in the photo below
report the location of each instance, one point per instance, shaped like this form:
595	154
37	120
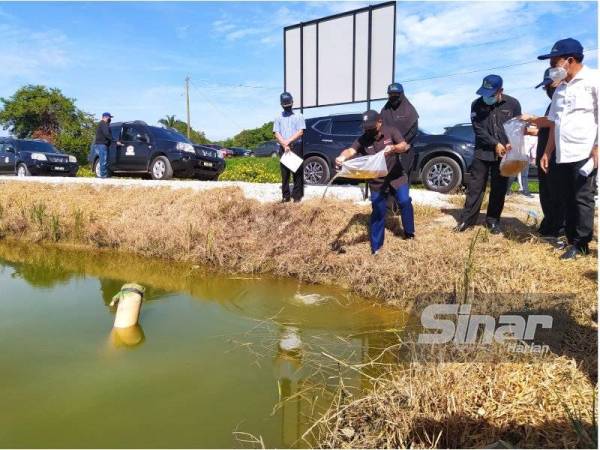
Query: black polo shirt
488	124
370	145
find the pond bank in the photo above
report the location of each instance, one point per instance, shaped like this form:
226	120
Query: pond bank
327	243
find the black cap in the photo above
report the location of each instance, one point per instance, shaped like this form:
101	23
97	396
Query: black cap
547	80
370	119
395	88
286	99
563	47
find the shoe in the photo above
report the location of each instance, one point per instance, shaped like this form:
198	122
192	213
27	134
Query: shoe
375	253
285	200
408	236
573	253
297	200
527	194
462	227
493	226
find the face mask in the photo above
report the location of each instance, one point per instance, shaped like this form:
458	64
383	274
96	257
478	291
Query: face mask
489	100
550	91
557	73
287	108
108	121
371	133
396	100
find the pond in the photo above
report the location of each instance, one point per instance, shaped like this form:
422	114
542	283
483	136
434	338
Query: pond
209	361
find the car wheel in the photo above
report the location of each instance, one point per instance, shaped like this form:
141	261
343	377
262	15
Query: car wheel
23	171
316	170
441	174
160	169
97	167
274	155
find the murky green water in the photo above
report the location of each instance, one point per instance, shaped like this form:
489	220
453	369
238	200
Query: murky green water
205	362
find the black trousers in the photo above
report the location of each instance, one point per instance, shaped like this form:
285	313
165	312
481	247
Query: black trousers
578	194
480	172
551	200
298	189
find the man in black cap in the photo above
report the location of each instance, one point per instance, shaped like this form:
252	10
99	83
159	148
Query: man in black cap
399	113
488	114
573	121
102	143
380	138
550	197
288	128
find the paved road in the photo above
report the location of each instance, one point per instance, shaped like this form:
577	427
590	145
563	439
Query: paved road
264	192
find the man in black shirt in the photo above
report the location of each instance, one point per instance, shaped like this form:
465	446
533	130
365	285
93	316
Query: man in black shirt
102	143
488	114
379	138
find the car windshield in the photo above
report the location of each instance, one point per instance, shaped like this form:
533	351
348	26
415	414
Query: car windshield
169	135
36	146
422	131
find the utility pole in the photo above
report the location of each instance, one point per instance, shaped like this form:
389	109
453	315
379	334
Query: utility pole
187	103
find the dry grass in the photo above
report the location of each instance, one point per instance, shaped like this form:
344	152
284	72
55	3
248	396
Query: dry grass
327	242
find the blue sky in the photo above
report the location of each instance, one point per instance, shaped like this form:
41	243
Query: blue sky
131	58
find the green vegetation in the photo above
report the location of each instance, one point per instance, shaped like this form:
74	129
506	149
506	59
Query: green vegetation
254	170
250	138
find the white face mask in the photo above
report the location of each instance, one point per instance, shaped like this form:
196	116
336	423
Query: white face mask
557	73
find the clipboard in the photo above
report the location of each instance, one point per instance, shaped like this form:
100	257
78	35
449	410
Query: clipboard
291	161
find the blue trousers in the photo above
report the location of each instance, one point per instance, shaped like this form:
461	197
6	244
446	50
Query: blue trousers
102	152
379	206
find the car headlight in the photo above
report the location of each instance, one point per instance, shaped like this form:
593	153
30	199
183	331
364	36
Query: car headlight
39	157
221	154
72	159
185	147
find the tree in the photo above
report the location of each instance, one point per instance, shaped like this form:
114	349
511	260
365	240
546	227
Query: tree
35	111
251	138
197	137
168	121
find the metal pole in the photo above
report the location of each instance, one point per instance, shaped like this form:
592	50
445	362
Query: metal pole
187	103
369	59
301	67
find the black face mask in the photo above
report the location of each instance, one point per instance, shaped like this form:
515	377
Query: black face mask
287	108
550	91
108	121
396	100
371	133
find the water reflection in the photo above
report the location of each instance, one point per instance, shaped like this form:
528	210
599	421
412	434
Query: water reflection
127	337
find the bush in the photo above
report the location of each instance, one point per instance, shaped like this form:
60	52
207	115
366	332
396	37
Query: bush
254	170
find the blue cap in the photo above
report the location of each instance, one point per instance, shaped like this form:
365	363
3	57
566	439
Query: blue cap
395	88
286	99
106	114
491	84
547	80
563	47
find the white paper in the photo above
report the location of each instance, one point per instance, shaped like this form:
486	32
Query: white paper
291	161
587	168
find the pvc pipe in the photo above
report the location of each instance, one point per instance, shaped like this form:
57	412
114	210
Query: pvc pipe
129	305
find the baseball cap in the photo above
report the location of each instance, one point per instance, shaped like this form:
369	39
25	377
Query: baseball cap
395	88
369	119
107	114
563	47
286	99
547	80
491	84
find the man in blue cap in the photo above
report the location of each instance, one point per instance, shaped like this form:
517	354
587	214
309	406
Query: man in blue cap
573	123
489	112
102	143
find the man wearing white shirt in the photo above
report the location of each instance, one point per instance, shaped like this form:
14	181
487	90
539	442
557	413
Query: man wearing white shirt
573	117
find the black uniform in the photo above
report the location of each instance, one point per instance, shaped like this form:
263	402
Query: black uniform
488	124
405	119
103	135
553	205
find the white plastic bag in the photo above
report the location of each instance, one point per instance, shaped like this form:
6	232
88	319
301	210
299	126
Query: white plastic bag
365	167
517	158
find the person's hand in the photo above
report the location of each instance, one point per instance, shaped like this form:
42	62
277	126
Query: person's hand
527	117
594	156
286	149
388	149
531	131
500	150
340	160
544	162
119	143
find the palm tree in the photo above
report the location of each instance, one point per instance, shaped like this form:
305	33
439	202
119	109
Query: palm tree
168	121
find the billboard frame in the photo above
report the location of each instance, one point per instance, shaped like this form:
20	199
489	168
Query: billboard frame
368	9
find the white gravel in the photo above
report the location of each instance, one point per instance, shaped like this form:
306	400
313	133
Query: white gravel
264	192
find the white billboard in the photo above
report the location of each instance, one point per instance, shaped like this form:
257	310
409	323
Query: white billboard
340	59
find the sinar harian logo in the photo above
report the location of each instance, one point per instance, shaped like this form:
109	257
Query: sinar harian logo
467	327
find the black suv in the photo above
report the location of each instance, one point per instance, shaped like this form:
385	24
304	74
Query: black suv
461	130
440	163
159	152
26	157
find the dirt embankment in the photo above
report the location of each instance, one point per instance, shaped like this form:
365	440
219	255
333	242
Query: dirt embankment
327	242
